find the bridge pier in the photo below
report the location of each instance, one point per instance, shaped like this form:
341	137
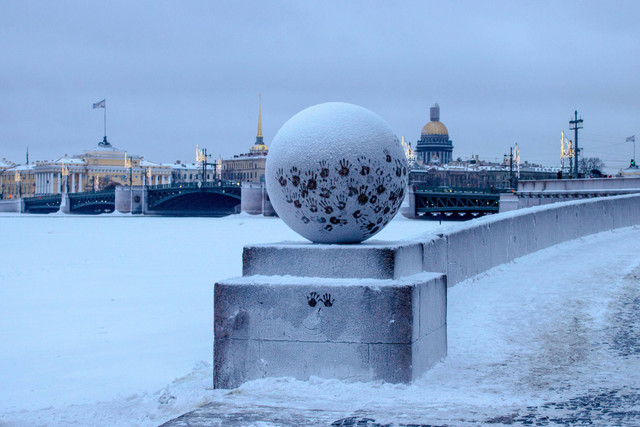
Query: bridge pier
409	210
255	199
12	205
252	198
131	199
65	203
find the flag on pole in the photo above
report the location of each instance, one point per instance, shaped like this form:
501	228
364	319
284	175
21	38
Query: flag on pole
632	138
101	104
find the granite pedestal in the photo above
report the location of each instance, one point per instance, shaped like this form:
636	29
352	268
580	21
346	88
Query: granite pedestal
387	324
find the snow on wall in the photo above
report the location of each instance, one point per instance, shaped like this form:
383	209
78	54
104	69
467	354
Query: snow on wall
477	246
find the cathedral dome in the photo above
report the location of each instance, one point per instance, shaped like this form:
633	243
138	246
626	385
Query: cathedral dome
435	128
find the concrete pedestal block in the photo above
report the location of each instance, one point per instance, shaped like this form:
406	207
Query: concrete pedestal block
382	260
358	329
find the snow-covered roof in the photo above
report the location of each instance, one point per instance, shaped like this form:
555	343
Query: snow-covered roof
20	168
70	161
184	166
485	167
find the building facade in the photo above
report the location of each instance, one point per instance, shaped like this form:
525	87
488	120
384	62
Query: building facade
477	176
434	146
101	168
249	167
17	181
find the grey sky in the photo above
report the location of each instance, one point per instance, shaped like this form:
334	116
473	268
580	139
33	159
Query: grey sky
177	74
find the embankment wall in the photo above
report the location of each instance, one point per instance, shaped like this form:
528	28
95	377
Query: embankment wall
474	247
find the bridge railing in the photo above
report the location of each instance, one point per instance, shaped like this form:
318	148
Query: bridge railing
92	193
198	184
467	190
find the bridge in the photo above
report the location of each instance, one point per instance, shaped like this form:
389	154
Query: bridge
91	202
209	199
42	204
451	203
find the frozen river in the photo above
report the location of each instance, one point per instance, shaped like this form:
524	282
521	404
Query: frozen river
108	321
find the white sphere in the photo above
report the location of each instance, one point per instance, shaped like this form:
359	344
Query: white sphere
336	173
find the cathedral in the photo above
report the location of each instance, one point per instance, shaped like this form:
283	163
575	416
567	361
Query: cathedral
434	146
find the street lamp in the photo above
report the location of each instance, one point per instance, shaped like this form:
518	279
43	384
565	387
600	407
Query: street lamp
128	163
201	157
65	173
18	179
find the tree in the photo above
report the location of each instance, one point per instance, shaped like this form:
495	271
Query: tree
587	164
106	183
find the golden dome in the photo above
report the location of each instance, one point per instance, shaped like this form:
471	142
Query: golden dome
435	128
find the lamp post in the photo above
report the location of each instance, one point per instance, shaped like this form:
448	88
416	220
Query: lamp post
574	125
129	164
18	179
65	173
201	157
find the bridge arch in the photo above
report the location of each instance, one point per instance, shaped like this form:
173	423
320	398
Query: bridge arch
205	202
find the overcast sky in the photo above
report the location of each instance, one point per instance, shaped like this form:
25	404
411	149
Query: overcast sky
176	74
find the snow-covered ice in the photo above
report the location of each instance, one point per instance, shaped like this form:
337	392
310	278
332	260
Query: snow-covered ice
108	321
113	314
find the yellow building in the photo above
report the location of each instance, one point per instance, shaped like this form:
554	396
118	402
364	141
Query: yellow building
17	181
102	168
248	167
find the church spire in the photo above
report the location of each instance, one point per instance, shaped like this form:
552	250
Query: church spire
259	136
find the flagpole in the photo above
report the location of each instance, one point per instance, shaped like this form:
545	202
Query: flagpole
105	120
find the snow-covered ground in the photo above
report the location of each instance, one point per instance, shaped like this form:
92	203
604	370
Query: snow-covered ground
108	321
110	317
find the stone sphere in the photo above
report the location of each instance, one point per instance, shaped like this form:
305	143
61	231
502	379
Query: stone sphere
336	173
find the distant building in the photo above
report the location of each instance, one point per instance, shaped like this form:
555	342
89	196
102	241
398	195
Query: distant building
632	171
434	146
100	168
17	181
249	167
189	173
477	174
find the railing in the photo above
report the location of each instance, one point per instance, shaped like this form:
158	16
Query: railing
49	202
418	188
85	199
199	184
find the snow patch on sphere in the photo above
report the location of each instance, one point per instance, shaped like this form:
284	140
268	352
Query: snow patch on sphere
336	173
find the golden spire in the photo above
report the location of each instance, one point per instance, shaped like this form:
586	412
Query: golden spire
260	116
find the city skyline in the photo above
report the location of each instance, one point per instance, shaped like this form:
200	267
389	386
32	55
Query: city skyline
174	77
